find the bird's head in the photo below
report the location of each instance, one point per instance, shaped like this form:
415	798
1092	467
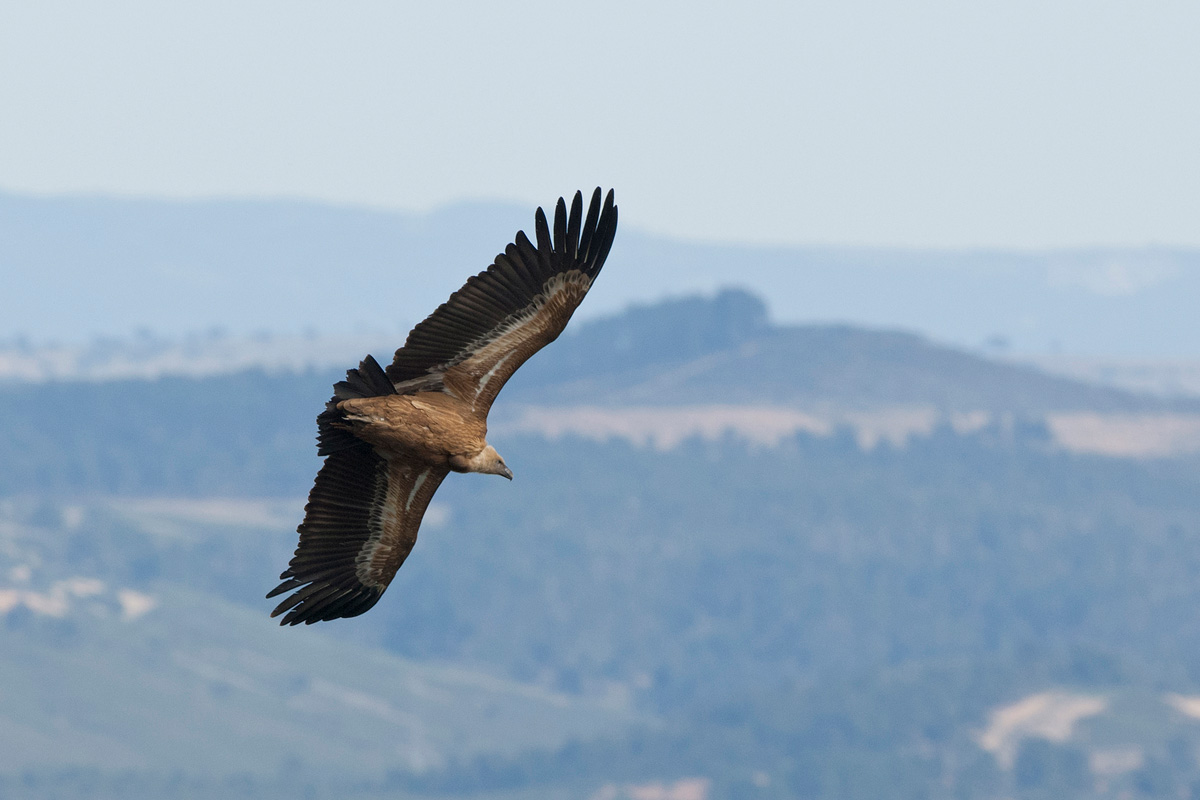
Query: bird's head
489	462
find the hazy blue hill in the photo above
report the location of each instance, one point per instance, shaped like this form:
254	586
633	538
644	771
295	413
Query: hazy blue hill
108	267
252	432
811	619
1103	302
724	350
176	267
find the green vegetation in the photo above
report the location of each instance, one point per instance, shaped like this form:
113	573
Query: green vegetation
837	620
807	620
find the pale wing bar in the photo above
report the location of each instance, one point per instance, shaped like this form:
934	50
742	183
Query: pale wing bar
492	301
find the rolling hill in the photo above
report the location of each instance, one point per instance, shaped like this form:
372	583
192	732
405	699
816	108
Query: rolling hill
812	615
249	431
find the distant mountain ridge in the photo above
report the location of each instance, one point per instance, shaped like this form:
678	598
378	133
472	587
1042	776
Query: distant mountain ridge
82	267
725	350
228	433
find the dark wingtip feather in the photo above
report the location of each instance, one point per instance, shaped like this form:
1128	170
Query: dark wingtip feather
589	225
287	584
608	235
326	603
573	227
560	233
545	245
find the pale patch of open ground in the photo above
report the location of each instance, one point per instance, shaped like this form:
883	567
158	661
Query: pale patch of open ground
1139	436
196	356
665	427
1046	715
1115	761
250	513
684	789
1134	435
1188	705
170	516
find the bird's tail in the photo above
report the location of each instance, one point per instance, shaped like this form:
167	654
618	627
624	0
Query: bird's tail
368	380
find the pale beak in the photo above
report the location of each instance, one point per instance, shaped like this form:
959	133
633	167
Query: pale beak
507	472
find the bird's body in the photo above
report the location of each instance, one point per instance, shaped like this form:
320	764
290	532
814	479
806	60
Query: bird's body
391	436
432	427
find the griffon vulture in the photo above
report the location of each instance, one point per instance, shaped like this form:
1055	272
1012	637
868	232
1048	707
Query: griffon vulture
391	436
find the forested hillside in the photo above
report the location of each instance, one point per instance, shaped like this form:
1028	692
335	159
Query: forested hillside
808	619
249	432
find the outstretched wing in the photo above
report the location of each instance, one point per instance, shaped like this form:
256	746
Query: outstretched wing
478	338
359	525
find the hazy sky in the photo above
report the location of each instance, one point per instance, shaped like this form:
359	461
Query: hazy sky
882	123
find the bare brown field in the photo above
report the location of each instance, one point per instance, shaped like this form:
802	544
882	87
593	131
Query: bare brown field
1123	435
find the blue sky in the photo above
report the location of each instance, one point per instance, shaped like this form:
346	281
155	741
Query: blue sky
944	124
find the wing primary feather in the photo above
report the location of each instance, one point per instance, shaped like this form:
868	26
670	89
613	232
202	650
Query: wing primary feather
560	235
285	586
545	245
572	253
527	253
328	573
298	597
520	274
316	610
589	226
507	281
359	604
341	607
312	607
513	257
606	239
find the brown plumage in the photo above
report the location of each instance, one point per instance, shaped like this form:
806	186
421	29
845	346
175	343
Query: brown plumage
391	436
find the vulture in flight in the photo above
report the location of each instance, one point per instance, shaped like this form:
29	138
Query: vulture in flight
389	437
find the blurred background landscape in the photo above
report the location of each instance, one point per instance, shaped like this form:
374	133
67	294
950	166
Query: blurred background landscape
740	559
870	468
